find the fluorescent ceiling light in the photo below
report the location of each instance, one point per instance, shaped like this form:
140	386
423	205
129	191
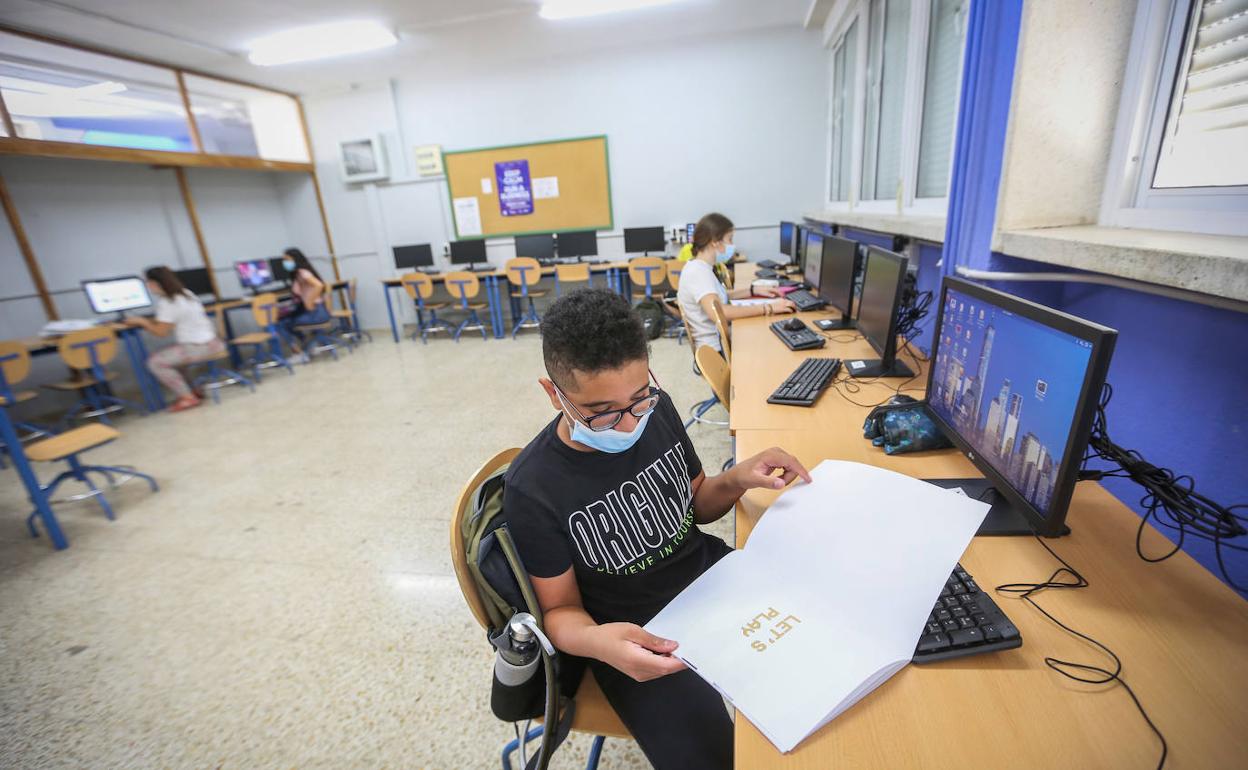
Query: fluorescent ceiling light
575	9
320	41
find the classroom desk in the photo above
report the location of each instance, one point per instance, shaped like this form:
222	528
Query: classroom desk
616	274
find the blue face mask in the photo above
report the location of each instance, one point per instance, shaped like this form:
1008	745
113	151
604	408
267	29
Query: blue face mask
729	251
612	441
289	265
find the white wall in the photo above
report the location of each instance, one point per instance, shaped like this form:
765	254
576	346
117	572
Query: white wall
735	125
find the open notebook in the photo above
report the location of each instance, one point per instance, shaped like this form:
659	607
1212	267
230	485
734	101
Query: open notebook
827	599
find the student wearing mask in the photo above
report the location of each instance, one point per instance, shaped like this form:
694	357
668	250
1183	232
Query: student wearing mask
308	291
604	506
712	244
178	312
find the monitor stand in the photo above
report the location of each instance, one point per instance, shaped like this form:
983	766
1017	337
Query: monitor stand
828	325
1003	518
875	367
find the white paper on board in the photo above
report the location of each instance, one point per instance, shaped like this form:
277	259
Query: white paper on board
487	186
545	187
468	216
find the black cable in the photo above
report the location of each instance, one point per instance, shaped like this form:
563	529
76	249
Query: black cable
1170	499
1068	668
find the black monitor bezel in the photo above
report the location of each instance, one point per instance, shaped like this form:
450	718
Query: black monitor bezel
549	238
83	283
461	261
239	275
591	236
1103	340
278	269
787	248
848	289
635	233
428	247
888	352
181	276
799	246
806	263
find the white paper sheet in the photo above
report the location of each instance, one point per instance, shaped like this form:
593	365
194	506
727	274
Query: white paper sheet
545	187
487	186
753	301
850	565
467	216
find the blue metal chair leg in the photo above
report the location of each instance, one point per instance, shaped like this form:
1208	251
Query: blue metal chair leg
151	482
81	476
701	408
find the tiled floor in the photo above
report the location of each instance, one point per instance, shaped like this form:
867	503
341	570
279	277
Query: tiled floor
286	599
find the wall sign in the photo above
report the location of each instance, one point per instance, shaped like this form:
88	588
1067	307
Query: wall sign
515	189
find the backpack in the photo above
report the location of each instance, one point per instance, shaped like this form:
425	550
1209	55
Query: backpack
503	584
652	317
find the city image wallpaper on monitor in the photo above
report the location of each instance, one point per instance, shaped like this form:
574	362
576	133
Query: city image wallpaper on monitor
1010	386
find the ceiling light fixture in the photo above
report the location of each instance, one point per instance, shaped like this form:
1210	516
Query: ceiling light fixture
320	41
575	9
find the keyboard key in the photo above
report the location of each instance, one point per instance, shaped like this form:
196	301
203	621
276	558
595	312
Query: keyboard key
966	623
944	615
958	588
949	625
1008	631
966	599
965	636
933	628
971	587
946	591
933	643
980	619
990	632
958	612
951	602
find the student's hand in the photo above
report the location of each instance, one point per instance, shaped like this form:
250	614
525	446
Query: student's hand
632	649
757	471
780	306
134	321
765	291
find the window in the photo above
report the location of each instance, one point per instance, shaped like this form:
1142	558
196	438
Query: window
903	79
234	119
1180	158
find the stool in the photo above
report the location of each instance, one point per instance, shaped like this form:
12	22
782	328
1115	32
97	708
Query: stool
463	286
524	272
349	319
267	344
420	288
217	376
648	272
86	352
578	273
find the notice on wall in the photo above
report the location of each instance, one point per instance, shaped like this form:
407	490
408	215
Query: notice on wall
515	190
429	160
545	187
467	216
487	186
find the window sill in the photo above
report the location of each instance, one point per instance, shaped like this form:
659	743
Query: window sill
912	225
1210	264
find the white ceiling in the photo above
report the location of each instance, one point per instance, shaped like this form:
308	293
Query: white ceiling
435	36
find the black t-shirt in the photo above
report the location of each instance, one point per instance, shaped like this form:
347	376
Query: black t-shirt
624	520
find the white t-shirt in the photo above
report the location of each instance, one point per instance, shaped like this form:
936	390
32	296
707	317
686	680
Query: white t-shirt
697	280
191	325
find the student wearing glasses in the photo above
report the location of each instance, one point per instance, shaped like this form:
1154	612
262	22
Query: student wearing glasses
604	506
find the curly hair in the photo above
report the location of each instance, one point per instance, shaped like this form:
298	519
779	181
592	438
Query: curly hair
591	330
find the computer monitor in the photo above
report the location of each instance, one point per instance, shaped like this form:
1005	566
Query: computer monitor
799	245
786	238
1015	386
642	240
578	243
254	273
278	269
413	256
883	279
468	252
837	272
540	246
196	280
814	260
117	295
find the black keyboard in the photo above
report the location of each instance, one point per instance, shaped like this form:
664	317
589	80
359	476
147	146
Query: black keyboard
801	339
805	300
785	283
803	386
765	274
769	264
965	621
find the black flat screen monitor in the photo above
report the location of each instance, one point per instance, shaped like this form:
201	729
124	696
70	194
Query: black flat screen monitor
278	269
882	282
839	268
413	256
799	245
195	280
786	238
1015	386
578	243
468	252
254	273
641	240
117	295
540	246
814	259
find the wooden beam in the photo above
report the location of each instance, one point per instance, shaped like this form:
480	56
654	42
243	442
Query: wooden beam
189	202
23	244
9	128
190	116
44	149
316	187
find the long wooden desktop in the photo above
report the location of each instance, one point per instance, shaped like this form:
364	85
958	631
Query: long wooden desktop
1182	635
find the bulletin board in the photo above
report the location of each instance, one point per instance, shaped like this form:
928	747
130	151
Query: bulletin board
544	187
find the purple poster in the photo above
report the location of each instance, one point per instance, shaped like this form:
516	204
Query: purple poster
515	190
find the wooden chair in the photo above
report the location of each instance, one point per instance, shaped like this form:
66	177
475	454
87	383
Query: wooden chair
267	343
678	328
718	375
217	376
648	272
594	714
87	352
721	324
15	365
349	319
578	273
322	333
464	286
523	273
419	287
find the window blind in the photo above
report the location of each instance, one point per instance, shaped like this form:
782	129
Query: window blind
946	30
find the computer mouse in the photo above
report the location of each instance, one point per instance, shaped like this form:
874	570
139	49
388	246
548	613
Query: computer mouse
902	398
794	325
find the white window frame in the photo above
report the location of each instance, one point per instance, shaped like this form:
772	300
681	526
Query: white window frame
837	24
1129	200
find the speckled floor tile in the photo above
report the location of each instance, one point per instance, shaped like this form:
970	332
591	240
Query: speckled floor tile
286	600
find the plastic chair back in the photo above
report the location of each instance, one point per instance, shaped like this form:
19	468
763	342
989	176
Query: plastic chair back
721	323
523	272
14	363
87	348
647	271
674	266
462	285
715	371
418	286
264	309
572	273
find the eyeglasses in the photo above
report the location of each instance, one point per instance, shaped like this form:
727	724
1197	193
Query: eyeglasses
608	420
